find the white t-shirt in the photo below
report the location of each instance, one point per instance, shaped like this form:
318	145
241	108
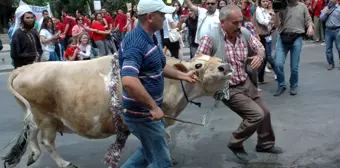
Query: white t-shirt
263	17
85	51
210	23
50	45
166	24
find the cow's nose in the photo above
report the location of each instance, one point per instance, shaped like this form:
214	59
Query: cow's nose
224	68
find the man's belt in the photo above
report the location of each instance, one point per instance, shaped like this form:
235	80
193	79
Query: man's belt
333	28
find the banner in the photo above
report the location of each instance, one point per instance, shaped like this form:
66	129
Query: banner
37	10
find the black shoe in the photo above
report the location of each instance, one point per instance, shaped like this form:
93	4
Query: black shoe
279	91
240	153
273	150
293	91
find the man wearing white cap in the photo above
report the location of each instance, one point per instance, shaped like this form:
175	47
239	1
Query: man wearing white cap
26	47
143	70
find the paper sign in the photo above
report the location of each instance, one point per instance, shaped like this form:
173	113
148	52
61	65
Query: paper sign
129	6
97	5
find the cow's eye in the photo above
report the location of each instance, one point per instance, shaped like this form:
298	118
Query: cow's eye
198	66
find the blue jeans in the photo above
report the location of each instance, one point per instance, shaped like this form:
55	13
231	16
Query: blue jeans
269	57
53	56
154	152
281	54
331	36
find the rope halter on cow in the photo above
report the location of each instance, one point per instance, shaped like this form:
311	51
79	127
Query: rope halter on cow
219	95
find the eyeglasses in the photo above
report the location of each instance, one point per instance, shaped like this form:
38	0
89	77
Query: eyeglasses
211	3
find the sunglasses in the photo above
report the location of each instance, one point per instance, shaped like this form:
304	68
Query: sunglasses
211	3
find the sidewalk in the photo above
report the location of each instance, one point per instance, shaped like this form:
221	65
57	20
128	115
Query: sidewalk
6	48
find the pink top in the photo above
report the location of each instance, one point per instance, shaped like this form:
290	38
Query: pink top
77	29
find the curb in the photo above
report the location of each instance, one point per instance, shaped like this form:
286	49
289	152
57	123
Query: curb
6	70
5	51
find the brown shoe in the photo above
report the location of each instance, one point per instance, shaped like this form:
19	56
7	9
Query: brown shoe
330	67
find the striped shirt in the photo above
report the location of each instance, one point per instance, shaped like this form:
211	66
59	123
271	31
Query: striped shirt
140	57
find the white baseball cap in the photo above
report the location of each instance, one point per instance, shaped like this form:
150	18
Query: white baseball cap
149	6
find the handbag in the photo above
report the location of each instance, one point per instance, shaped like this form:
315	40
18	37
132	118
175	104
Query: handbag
288	38
174	35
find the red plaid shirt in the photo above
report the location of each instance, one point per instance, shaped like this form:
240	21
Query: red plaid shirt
236	55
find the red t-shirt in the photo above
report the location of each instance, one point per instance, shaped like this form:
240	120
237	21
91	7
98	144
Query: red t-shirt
71	23
121	20
98	26
246	11
318	7
60	27
109	20
86	22
184	11
69	53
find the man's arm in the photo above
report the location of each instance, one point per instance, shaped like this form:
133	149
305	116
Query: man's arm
259	49
130	71
324	14
172	73
205	46
191	6
308	21
15	47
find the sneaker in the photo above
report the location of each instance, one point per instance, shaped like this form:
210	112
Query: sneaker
293	91
267	70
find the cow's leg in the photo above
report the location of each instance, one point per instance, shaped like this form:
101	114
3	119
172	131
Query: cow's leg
34	146
168	138
48	136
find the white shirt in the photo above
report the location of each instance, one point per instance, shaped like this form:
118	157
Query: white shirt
212	21
166	24
50	45
85	51
263	17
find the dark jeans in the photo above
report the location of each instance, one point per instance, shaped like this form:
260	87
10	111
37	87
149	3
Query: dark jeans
268	58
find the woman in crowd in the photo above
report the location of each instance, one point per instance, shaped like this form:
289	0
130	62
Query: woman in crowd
48	39
172	21
99	34
131	18
191	22
79	28
264	27
222	4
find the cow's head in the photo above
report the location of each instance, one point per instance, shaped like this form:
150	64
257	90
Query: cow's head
211	71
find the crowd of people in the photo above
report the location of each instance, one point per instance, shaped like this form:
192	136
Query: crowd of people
239	32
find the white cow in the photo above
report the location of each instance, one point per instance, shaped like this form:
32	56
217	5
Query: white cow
73	97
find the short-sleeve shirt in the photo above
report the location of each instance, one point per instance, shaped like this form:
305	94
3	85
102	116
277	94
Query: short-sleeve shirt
50	45
208	23
99	26
166	24
71	23
140	57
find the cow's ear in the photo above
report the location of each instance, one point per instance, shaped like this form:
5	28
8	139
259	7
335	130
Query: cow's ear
180	67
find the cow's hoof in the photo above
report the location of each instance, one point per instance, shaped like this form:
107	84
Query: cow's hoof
30	159
174	161
71	166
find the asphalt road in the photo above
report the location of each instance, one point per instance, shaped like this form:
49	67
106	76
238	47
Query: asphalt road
305	126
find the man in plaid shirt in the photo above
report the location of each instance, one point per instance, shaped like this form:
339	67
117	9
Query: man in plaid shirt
244	97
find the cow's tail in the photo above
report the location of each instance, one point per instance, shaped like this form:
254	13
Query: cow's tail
19	149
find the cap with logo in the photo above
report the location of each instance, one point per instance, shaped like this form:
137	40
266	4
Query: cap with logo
149	6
